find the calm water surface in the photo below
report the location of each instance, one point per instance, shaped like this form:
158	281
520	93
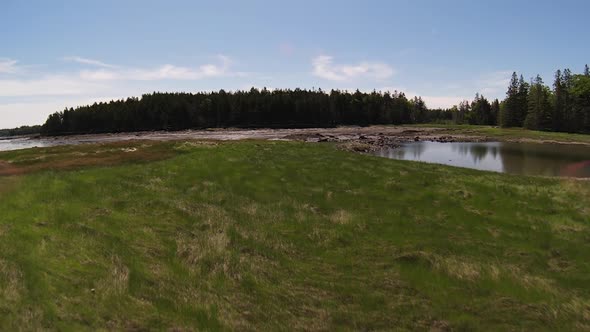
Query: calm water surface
516	158
22	143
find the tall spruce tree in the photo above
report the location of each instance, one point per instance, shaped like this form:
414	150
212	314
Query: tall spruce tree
480	111
558	106
522	108
539	109
511	104
461	113
568	111
586	70
495	113
580	93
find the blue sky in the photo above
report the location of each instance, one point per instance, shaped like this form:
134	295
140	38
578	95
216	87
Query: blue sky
60	53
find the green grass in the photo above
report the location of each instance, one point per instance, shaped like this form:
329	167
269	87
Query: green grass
512	133
285	236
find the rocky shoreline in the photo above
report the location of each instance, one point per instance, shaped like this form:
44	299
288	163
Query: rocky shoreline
361	139
370	142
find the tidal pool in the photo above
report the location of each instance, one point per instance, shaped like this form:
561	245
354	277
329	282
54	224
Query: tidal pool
21	143
570	160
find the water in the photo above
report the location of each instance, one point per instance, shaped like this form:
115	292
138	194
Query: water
22	143
516	158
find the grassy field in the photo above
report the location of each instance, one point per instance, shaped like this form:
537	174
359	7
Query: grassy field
284	236
512	133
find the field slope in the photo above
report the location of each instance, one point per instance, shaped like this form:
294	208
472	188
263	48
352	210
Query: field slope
284	236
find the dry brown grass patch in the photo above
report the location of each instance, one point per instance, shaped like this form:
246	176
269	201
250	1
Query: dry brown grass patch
458	268
341	217
207	241
250	209
57	159
116	281
568	227
11	282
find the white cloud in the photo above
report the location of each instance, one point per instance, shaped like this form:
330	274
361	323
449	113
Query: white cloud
35	112
86	61
55	85
29	97
8	66
19	114
91	81
431	101
491	85
443	101
495	83
324	67
165	72
99	75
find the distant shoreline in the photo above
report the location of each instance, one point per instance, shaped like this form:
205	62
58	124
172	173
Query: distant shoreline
364	139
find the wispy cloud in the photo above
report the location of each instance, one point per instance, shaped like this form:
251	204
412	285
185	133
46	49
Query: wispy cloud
28	96
165	72
494	83
8	66
432	101
324	67
443	101
86	61
51	85
29	112
90	80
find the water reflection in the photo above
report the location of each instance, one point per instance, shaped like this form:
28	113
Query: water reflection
21	143
516	158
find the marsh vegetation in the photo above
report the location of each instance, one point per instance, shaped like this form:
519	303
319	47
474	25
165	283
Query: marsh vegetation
266	234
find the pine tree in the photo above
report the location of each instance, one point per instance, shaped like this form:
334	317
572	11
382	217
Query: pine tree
580	94
539	112
462	112
522	106
568	111
480	111
558	107
495	113
510	109
586	70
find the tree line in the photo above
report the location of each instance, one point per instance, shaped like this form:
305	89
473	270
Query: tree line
246	109
533	105
20	131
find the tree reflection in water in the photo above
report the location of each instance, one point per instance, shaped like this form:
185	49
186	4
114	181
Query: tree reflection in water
516	158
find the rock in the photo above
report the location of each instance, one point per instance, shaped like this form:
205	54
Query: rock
416	139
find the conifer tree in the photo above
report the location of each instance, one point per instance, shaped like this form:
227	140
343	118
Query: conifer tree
522	106
495	112
539	112
558	106
509	111
568	112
